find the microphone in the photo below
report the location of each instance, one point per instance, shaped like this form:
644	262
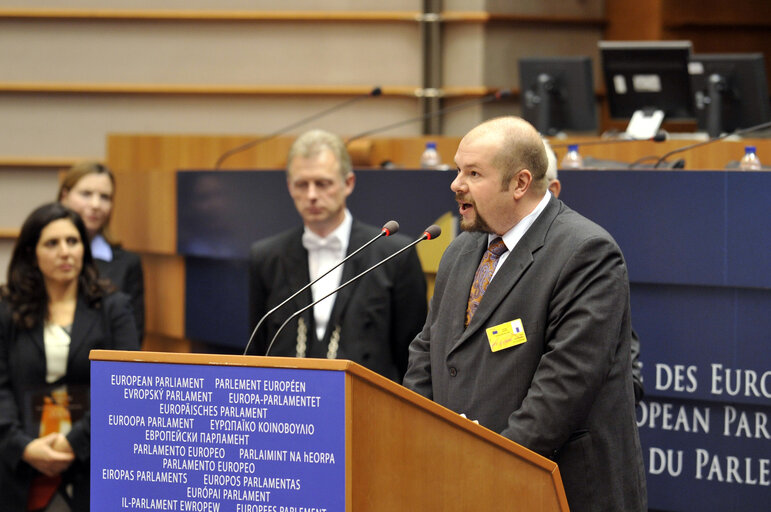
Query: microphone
376	91
431	232
388	229
740	131
659	137
503	93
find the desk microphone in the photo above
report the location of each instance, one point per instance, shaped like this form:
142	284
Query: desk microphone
431	232
376	91
388	229
740	131
503	93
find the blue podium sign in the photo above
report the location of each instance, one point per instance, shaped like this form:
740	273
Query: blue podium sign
698	250
216	438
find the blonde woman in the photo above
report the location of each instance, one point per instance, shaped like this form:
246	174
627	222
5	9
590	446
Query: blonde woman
89	189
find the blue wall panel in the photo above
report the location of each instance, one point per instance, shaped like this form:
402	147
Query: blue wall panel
698	248
221	213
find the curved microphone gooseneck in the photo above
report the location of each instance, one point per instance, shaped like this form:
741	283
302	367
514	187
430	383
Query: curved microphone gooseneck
430	233
376	91
388	229
504	93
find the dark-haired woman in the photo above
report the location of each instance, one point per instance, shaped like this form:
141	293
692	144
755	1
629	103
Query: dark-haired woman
53	311
89	189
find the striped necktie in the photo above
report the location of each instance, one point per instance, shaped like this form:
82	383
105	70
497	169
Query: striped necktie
483	276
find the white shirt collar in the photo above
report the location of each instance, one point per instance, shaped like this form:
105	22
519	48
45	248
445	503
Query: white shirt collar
100	249
512	237
319	261
341	232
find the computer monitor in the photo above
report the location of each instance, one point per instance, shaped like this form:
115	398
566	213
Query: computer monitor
558	94
730	91
647	79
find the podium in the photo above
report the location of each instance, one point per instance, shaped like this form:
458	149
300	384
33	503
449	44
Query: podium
267	434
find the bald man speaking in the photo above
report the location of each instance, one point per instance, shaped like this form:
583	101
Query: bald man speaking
529	327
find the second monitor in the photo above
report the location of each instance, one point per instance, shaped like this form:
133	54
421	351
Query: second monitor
646	81
730	91
558	94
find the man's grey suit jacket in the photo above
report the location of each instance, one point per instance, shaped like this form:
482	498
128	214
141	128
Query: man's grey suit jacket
566	393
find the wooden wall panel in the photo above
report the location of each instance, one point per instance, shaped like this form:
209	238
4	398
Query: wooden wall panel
151	228
462	54
199	67
6	249
633	21
459	123
210	52
713	40
23	190
506	44
259	5
164	295
25	184
405	151
716	26
742	13
154	342
71	125
551	8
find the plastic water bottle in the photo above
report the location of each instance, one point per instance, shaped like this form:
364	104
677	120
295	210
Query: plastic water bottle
572	159
430	157
750	161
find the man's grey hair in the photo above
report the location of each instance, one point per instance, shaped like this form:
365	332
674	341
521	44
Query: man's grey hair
313	142
551	168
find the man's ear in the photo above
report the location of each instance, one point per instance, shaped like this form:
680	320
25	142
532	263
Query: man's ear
350	183
555	187
521	183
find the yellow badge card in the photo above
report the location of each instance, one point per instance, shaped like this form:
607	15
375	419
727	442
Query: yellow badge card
506	335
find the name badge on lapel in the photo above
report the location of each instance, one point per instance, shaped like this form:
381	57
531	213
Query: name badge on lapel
506	335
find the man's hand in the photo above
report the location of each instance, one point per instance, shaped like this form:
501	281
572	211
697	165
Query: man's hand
464	416
51	454
61	444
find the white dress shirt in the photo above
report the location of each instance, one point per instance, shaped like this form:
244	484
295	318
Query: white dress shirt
57	348
323	254
100	249
512	237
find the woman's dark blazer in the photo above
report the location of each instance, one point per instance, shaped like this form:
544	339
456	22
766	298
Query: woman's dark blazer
125	272
23	370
